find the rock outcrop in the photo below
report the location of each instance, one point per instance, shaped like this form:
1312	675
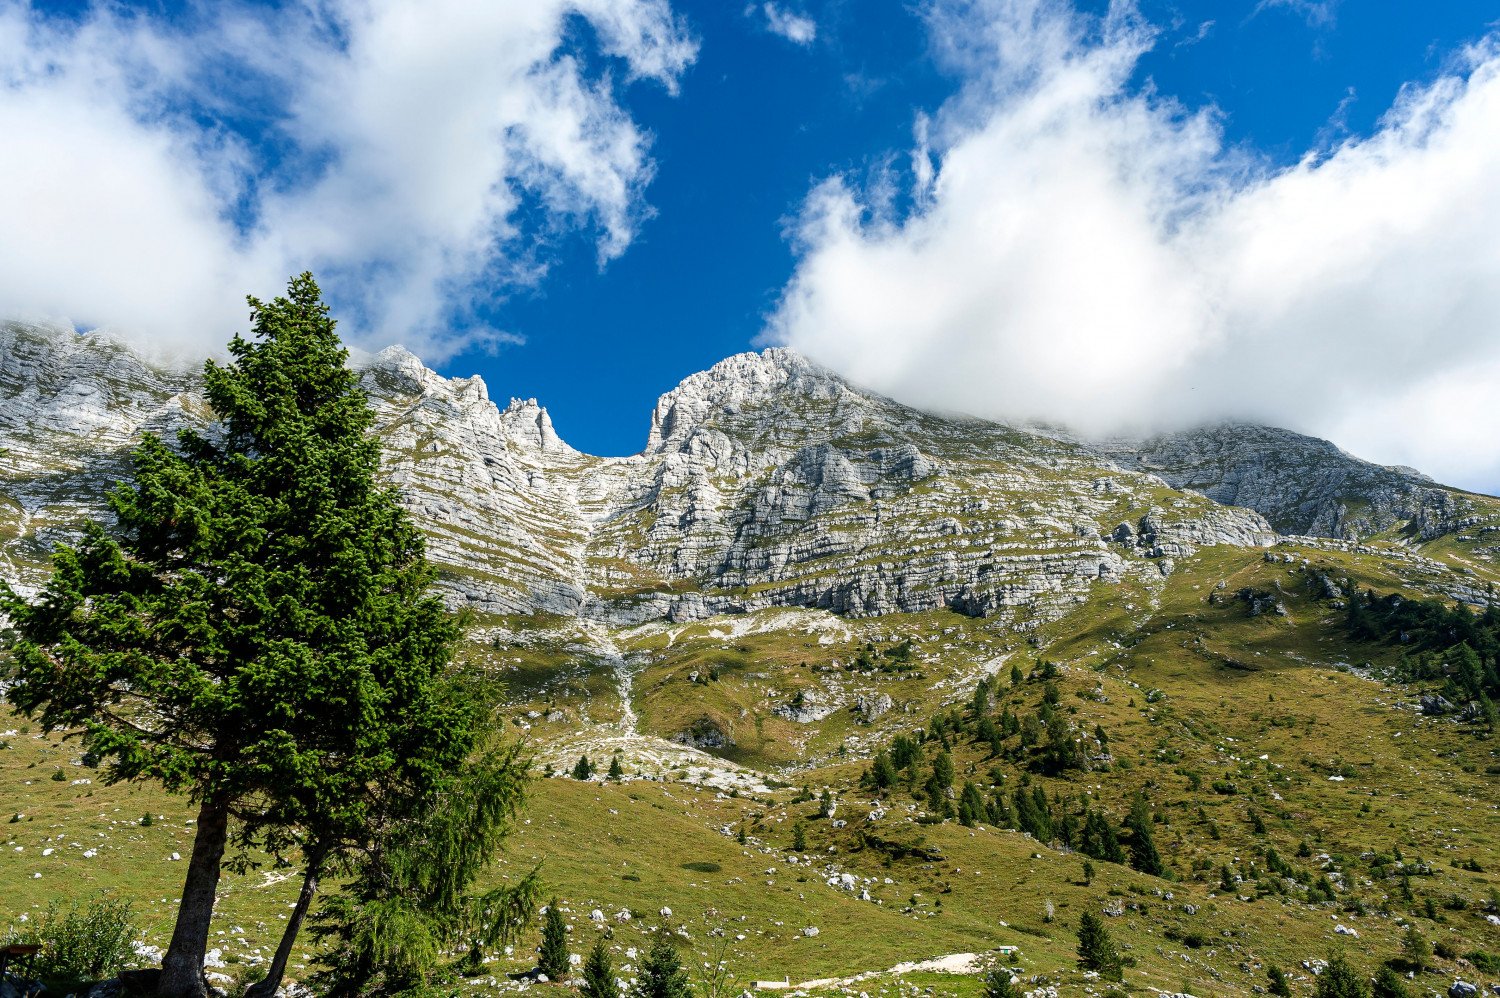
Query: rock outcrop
766	481
1300	484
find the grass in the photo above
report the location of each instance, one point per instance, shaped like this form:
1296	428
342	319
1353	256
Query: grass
1324	760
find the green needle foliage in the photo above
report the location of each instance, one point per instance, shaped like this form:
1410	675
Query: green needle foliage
409	897
997	984
1278	985
661	974
1416	949
257	630
599	974
1339	980
1143	853
1096	950
554	950
1388	984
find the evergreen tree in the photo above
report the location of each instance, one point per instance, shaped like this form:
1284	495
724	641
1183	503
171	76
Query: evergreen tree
408	893
1339	980
1088	874
1416	949
583	769
256	630
971	809
799	837
599	974
999	984
553	953
1143	854
1096	951
980	704
904	751
882	772
1279	985
616	773
1388	984
1016	676
661	974
1099	838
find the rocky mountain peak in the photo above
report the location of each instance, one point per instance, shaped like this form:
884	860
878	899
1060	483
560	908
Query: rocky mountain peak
528	424
727	388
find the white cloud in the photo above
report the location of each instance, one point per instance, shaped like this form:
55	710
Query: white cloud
793	27
1317	13
1093	254
407	138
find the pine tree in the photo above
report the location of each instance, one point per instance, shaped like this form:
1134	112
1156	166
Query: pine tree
1096	951
553	959
255	629
799	837
1279	985
599	974
882	772
1088	874
1416	949
616	773
1016	676
1143	854
1339	980
999	984
1388	984
661	974
971	809
583	769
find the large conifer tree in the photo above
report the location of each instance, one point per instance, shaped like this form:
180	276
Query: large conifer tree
255	629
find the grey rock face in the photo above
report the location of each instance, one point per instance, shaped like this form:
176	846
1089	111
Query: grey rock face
766	481
1301	484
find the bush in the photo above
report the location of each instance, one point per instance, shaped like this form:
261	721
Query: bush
1489	963
87	941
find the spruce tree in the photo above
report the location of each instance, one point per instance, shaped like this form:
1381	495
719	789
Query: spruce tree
1096	951
553	953
1278	984
882	772
1416	949
1339	980
799	837
255	629
599	974
661	974
971	806
583	769
616	773
1143	854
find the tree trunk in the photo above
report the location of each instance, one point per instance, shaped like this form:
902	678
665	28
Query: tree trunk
182	967
272	983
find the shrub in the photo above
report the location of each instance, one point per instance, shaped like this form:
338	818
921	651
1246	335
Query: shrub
86	941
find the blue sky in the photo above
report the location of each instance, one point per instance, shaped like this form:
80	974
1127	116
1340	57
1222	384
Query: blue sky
1119	218
759	120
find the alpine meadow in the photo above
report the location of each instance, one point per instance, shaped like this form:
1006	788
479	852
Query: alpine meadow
1013	516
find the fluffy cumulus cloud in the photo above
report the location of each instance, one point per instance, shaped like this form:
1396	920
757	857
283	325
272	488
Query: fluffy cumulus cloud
1085	252
788	24
417	157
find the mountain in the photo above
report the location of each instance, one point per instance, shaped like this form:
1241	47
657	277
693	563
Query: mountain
792	573
765	481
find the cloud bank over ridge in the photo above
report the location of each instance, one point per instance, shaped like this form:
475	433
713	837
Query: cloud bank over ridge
1081	250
